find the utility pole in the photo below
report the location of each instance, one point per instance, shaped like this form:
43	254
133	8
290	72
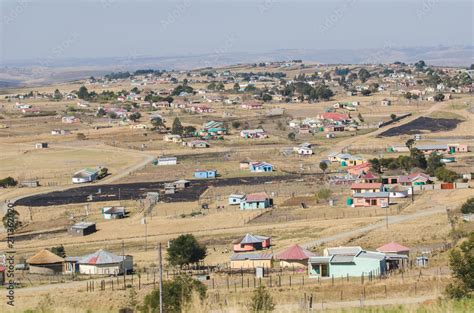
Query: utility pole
146	233
123	264
161	279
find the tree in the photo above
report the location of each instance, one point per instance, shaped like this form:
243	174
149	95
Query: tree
266	97
446	175
135	116
177	128
83	93
189	131
323	194
261	301
100	112
433	163
468	206
438	97
185	250
8	182
176	294
59	250
363	75
292	136
157	121
236	124
420	65
393	116
375	165
366	92
112	115
11	220
418	158
236	87
410	143
461	262
57	95
323	166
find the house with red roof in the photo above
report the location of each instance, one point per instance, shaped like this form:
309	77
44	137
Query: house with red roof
394	248
259	200
366	187
334	117
102	262
359	169
252	105
368	178
295	256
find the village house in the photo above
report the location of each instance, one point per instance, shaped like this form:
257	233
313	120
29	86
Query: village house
113	212
359	169
260	167
172	138
45	262
253	133
412	179
362	263
258	200
399	191
82	229
205	174
366	187
250	243
294	257
104	263
200	109
85	175
236	199
366	199
251	260
196	144
334	117
70	119
396	255
368	178
60	132
386	102
252	105
181	184
167	161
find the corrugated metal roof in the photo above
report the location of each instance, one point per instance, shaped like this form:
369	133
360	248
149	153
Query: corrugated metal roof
342	259
371	255
251	256
372	195
248	238
320	259
344	250
101	257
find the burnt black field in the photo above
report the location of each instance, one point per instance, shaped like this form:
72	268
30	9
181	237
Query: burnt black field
136	191
420	125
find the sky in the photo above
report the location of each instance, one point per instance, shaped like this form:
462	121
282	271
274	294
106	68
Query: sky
35	29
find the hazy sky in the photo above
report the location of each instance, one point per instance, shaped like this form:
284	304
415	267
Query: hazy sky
34	29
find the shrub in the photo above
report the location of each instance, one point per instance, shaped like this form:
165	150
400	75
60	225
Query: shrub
261	301
468	206
185	250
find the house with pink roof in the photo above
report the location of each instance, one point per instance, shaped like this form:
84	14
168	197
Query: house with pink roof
394	248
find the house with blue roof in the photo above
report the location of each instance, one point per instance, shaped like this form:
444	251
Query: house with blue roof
260	167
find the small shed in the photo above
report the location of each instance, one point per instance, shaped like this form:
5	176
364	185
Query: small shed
181	184
167	161
29	183
113	212
41	145
45	262
82	229
251	243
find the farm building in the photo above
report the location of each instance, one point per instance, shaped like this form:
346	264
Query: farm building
251	260
252	106
235	199
86	175
253	133
343	265
380	199
60	132
359	169
294	256
394	248
260	167
41	145
181	184
256	201
70	120
113	212
413	179
45	262
366	187
250	242
397	255
172	138
197	144
82	229
167	161
105	263
205	173
29	183
386	102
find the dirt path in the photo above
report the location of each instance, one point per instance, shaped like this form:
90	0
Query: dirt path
395	219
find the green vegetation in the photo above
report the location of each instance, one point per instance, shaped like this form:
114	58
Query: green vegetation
180	88
8	182
135	116
468	206
177	293
261	301
323	166
59	251
185	250
461	262
363	75
11	220
177	128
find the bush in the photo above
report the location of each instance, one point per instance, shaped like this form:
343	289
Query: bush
468	206
8	182
176	294
461	262
236	124
262	301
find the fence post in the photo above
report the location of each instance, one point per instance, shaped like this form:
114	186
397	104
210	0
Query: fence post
290	280
213	283
332	280
227	282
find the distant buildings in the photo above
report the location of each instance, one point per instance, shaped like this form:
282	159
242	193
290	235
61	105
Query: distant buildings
82	229
250	243
256	201
85	176
205	174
